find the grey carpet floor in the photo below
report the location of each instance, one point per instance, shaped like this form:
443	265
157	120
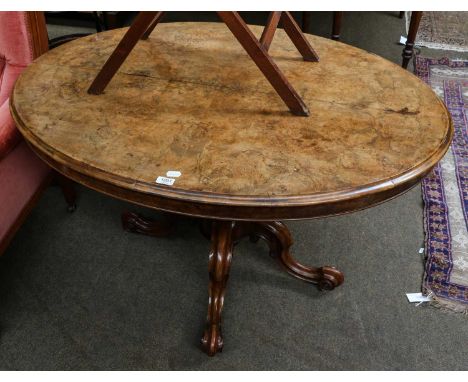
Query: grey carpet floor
76	292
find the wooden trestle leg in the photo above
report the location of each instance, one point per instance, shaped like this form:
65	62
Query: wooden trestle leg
270	29
153	24
114	62
145	23
297	37
264	62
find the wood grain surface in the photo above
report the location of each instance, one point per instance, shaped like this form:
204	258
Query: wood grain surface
190	99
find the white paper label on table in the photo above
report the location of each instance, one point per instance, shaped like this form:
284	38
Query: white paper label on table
164	180
418	297
173	174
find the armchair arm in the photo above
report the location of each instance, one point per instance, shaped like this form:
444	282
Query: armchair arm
9	134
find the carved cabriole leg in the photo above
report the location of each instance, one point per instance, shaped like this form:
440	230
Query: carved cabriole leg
278	238
135	223
222	243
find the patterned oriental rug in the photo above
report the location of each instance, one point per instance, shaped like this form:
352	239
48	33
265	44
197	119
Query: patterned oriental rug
445	191
442	30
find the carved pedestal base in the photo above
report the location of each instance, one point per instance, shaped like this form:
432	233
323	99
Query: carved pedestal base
224	235
222	244
135	223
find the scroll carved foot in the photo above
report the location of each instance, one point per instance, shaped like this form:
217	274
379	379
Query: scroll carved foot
212	340
278	237
222	243
135	223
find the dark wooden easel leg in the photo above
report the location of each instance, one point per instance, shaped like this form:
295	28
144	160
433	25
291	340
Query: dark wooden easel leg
293	31
145	22
264	62
337	20
297	37
222	244
270	29
118	56
413	30
156	21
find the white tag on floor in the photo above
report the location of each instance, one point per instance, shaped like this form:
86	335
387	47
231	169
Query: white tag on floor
173	174
418	297
403	40
164	180
421	250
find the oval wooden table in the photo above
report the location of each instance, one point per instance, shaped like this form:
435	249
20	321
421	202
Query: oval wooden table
189	99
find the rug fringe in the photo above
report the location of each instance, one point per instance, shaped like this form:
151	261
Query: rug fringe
440	46
429	44
448	306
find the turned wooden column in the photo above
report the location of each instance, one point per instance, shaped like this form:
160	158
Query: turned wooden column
336	30
413	30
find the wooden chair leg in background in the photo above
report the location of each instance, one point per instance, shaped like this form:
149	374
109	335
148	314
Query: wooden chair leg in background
337	20
68	190
413	30
336	29
305	21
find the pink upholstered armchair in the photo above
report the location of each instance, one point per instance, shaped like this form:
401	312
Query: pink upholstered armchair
23	37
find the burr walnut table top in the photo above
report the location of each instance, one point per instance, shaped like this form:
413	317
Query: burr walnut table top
190	99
